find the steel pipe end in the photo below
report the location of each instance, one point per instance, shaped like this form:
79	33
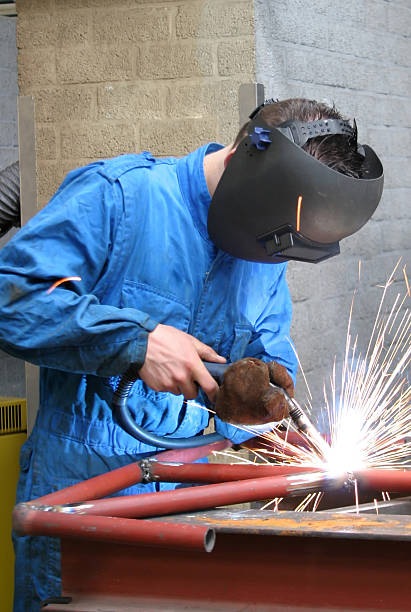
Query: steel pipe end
209	540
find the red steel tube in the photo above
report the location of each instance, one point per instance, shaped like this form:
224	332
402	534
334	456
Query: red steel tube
292	437
96	487
279	445
207	496
186	455
121	478
395	481
30	521
218	472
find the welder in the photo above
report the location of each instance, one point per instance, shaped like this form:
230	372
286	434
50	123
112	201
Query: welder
165	263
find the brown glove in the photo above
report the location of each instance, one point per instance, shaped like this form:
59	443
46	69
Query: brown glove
246	398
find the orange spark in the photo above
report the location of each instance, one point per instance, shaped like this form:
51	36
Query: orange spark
300	199
63	280
406	279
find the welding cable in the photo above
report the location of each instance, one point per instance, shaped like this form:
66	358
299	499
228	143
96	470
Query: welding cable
126	421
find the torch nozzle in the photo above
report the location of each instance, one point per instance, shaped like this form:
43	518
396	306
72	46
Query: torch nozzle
303	424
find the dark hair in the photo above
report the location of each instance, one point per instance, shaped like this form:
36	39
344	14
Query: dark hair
337	151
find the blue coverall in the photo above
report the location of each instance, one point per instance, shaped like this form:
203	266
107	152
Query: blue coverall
134	228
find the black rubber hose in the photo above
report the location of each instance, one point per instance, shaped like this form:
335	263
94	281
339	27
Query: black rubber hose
9	198
126	421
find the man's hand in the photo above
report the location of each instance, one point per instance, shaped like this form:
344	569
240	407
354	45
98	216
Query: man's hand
246	397
174	363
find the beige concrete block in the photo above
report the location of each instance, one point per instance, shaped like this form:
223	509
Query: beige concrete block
208	96
35	30
86	65
95	4
237	57
129	101
176	61
227	128
46	142
176	137
39	30
58	104
36	68
72	28
215	19
33	5
49	176
97	140
138	25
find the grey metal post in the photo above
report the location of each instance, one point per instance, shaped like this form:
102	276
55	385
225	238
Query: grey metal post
250	95
28	208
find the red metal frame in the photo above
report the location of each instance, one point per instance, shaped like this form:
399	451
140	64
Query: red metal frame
245	571
335	563
45	517
394	481
114	529
126	476
218	472
199	498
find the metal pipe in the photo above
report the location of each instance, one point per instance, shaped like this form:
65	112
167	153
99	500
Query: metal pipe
281	437
28	520
161	471
93	488
394	481
121	478
208	496
186	455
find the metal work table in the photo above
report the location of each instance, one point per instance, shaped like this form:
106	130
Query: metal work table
262	561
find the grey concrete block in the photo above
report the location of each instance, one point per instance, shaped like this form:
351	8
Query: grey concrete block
399	18
8	29
365	70
8	155
8	134
8	80
8	107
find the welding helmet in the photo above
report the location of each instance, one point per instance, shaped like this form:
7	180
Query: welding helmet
276	202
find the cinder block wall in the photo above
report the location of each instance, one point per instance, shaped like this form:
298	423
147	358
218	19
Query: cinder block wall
11	370
8	92
112	77
357	55
116	77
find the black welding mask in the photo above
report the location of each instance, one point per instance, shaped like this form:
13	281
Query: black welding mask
276	202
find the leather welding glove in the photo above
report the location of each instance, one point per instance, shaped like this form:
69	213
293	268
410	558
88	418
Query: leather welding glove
246	397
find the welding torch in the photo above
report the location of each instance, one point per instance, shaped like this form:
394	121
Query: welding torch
297	414
217	370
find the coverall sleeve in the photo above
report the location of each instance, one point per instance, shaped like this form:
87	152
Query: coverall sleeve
271	338
79	233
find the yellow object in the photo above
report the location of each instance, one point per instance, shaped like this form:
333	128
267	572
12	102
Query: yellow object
12	435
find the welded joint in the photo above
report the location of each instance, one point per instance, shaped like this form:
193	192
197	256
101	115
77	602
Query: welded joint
146	470
350	480
302	484
75	508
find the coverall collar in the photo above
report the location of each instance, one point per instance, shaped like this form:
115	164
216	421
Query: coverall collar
193	185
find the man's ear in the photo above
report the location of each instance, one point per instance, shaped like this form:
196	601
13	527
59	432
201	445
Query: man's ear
229	156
